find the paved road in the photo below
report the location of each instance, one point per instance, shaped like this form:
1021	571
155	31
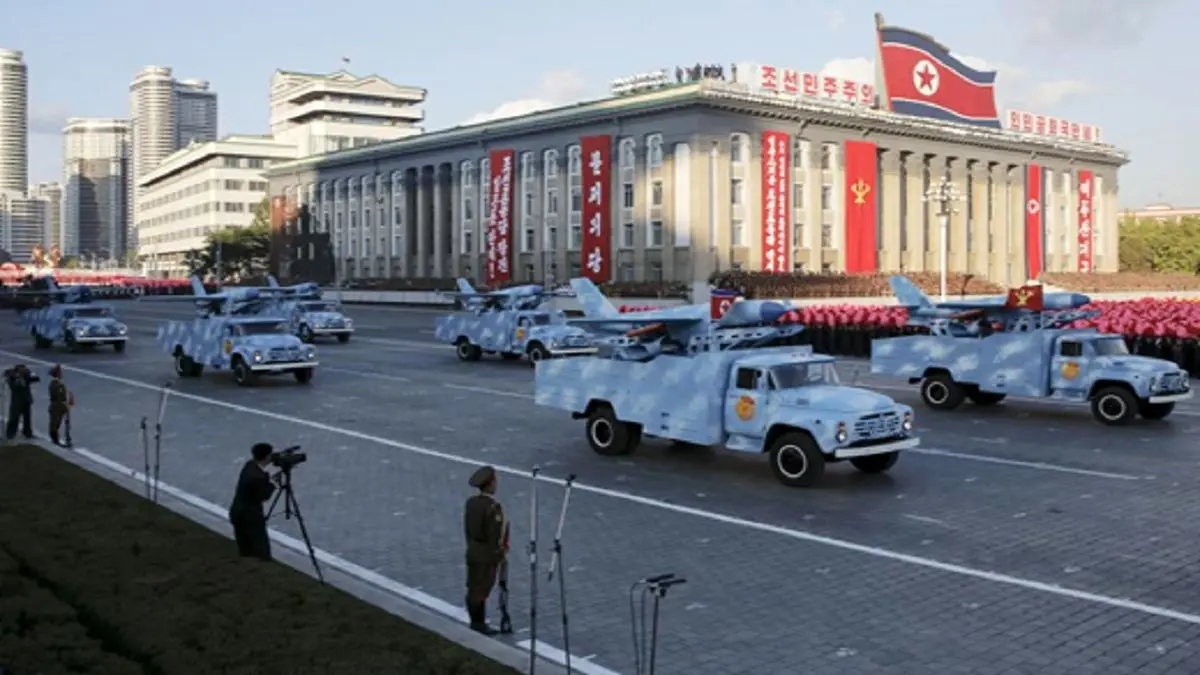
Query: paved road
1020	539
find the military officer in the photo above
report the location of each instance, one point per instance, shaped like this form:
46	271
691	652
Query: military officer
483	523
61	400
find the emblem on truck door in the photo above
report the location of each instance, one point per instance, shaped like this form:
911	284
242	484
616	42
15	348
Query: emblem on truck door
1070	370
745	408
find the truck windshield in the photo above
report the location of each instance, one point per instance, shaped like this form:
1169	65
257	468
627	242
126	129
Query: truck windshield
319	307
1110	347
796	375
88	313
261	328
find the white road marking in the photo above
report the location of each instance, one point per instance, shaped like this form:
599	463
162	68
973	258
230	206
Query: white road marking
555	655
1043	466
766	528
486	390
365	373
925	519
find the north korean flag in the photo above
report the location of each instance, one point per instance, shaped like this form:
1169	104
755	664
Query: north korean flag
923	79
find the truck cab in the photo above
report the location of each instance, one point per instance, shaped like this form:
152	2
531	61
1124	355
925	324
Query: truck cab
248	347
537	334
785	402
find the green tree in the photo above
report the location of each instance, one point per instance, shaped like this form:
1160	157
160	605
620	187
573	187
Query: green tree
242	251
1148	245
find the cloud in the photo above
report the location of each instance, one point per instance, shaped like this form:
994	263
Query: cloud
836	19
556	88
857	69
46	119
1065	24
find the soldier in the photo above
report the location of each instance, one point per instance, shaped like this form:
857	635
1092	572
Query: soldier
483	522
20	400
61	402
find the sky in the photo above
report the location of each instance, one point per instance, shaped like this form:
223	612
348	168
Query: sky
1127	66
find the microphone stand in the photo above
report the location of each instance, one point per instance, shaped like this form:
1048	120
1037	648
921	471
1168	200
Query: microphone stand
656	586
555	564
533	586
162	410
145	457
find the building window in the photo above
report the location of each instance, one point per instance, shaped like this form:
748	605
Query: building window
654	272
527	167
468	241
655	233
575	160
737	232
550	160
627	196
654	151
826	197
826	235
738	149
827	150
575	180
625	272
468	174
627	152
656	193
627	235
550	199
737	190
798	195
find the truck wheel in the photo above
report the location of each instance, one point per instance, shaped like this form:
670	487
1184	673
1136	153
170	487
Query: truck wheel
796	460
343	337
941	392
537	353
119	347
303	375
609	436
69	340
467	351
875	463
1155	411
242	373
985	397
1114	406
183	364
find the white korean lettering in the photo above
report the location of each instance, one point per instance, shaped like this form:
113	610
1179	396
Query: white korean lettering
594	225
1085	187
594	196
595	162
595	260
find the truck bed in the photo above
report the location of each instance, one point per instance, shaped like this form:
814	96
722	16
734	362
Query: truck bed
1018	360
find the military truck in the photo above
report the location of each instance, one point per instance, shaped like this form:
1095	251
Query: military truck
77	326
247	346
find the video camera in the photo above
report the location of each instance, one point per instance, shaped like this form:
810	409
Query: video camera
288	458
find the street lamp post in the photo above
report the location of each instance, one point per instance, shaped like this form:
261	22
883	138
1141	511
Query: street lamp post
944	194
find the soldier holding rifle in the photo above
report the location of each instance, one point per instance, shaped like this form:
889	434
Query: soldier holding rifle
61	402
484	526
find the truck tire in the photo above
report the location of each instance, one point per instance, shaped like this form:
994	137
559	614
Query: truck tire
69	340
1155	411
537	352
796	460
985	397
940	392
609	436
242	373
184	366
1114	406
467	351
875	463
343	338
303	375
40	342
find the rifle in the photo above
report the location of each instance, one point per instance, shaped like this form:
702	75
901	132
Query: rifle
505	619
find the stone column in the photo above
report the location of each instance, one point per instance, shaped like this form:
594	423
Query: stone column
837	171
889	211
422	267
979	263
998	226
440	225
957	170
1070	225
1018	272
914	212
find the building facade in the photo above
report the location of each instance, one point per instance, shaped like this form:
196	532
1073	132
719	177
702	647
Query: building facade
325	113
199	190
95	187
14	122
23	225
52	192
165	115
697	170
1162	213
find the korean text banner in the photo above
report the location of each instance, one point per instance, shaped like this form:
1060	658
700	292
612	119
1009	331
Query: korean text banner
1035	250
597	209
923	79
500	215
862	170
1087	202
776	207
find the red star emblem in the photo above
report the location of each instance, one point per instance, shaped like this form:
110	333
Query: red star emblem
926	74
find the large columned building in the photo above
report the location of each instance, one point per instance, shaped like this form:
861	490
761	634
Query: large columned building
676	183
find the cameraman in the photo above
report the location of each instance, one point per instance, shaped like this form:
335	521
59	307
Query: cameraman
20	400
254	487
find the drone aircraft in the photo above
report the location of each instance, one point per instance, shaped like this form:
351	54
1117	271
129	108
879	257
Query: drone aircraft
1025	308
525	297
743	324
239	302
305	291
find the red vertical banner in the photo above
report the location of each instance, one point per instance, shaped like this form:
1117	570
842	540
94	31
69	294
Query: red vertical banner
1087	200
597	208
500	216
776	198
278	216
862	212
1033	221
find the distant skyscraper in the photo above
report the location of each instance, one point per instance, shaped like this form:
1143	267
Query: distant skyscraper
53	194
95	212
22	224
14	122
165	115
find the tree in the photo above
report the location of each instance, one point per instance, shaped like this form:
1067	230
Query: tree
1150	245
242	251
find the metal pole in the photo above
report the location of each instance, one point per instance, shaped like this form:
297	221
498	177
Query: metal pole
533	574
944	249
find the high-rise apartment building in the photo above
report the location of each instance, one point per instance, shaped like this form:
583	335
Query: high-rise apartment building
14	122
323	113
165	115
52	192
23	225
95	213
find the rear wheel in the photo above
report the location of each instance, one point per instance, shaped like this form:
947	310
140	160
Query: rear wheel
609	436
1114	406
796	460
305	333
184	366
1155	411
343	337
940	392
303	375
69	340
467	351
876	463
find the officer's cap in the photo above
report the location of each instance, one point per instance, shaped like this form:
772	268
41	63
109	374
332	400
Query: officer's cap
482	476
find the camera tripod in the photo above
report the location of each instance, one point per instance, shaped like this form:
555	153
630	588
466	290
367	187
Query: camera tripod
151	481
657	586
555	568
290	506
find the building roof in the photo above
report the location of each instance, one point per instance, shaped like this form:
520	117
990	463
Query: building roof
240	145
719	95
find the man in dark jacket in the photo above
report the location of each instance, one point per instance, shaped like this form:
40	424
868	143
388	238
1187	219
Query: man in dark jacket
254	487
20	400
483	523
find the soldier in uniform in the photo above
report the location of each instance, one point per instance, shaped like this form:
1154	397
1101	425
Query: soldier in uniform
483	523
61	400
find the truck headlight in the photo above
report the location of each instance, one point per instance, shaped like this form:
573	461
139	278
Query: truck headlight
907	425
257	357
310	354
349	323
80	330
122	329
841	434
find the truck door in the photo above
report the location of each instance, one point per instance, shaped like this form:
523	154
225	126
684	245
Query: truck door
745	401
1068	367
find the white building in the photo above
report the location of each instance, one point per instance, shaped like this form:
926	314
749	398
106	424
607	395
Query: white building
53	194
323	113
165	115
95	187
14	122
199	190
23	225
